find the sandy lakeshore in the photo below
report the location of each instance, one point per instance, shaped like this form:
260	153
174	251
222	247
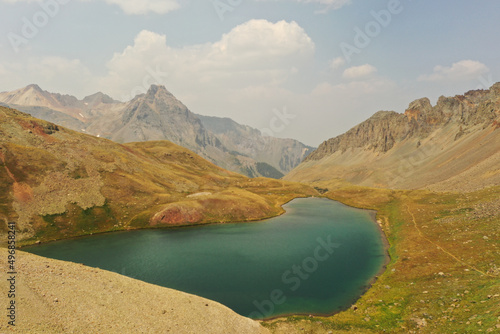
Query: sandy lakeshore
62	297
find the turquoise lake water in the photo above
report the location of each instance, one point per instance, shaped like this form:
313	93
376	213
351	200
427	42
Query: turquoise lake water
315	259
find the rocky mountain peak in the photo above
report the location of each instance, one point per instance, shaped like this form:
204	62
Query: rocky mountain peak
158	91
30	95
495	89
160	99
34	87
382	114
450	105
98	98
417	108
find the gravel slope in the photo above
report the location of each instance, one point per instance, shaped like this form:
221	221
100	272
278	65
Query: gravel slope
62	297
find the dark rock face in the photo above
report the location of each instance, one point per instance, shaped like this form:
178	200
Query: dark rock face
378	133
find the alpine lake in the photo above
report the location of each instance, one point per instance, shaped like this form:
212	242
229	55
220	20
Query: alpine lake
317	258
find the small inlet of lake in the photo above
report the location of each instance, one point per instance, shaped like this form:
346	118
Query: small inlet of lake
317	258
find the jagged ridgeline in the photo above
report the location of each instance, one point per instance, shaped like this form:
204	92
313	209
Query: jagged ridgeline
158	115
58	183
454	145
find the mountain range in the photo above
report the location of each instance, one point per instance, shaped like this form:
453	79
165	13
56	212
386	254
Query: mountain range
452	146
158	115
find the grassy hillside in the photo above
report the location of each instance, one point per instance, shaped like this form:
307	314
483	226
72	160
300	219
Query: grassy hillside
444	274
57	183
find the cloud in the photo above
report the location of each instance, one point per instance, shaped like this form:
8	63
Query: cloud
337	63
257	52
132	7
53	73
459	71
357	72
274	39
54	67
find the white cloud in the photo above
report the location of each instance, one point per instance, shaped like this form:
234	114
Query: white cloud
357	72
459	71
257	52
336	63
54	67
274	39
52	73
132	7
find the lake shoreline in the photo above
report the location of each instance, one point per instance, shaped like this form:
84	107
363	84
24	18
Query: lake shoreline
369	283
166	227
365	287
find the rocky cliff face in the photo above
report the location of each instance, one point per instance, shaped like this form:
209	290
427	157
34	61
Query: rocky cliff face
381	131
158	115
425	146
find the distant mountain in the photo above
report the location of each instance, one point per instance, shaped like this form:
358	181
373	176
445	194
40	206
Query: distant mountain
33	95
284	154
65	110
158	115
454	145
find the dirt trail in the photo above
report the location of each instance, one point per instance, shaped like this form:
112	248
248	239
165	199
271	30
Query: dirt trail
440	247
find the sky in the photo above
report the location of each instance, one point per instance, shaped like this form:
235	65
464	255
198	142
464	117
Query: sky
303	69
